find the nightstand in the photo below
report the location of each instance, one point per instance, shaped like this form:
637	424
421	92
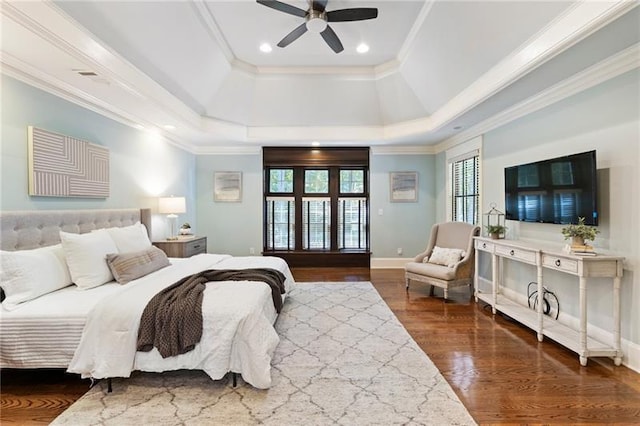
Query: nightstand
183	247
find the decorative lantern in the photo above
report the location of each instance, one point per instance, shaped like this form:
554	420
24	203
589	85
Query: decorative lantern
493	223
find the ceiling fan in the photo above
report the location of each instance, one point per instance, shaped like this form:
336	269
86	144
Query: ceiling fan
316	19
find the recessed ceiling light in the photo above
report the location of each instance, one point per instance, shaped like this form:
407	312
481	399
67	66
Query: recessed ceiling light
362	48
265	48
315	143
169	127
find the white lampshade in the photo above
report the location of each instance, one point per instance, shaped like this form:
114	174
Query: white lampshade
172	205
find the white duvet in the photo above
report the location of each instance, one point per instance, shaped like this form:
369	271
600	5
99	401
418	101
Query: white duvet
238	333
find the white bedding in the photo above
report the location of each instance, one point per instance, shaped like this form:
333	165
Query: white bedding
238	332
46	331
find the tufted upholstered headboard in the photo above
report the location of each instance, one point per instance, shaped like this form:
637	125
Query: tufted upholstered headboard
23	230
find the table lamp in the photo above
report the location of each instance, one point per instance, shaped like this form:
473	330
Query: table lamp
171	206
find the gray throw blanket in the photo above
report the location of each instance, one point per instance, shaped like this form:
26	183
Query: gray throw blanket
172	320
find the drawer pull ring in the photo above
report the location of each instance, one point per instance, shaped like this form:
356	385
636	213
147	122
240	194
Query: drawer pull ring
557	262
512	252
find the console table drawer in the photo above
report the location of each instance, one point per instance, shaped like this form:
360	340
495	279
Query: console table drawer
560	263
518	254
484	246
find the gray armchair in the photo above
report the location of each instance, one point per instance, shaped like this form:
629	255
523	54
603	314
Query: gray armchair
449	235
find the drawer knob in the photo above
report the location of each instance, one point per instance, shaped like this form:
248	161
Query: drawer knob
557	262
484	245
512	252
196	247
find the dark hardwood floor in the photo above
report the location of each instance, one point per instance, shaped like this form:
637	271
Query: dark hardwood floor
499	370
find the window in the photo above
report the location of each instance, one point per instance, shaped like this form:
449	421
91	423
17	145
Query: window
281	180
351	181
318	202
316	218
316	181
465	190
352	223
280	217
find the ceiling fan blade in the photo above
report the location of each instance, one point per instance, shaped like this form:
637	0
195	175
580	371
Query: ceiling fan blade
355	14
293	35
283	7
319	5
332	39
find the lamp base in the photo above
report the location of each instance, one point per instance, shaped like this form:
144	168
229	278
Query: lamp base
172	227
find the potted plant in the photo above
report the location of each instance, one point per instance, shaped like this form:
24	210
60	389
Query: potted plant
579	233
495	231
185	229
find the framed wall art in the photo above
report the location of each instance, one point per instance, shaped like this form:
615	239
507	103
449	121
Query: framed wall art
403	187
227	187
63	166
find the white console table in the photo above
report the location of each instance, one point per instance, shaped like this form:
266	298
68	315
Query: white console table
581	266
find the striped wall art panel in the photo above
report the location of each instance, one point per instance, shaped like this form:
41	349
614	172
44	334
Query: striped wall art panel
63	166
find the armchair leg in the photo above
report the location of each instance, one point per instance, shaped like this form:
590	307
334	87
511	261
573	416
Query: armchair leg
446	294
407	284
432	289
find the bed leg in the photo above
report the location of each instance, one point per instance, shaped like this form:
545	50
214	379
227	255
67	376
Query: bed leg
234	378
96	381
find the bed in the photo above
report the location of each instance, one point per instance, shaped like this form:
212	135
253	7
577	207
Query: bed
91	329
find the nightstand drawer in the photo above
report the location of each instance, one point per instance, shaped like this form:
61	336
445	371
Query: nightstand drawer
195	247
183	247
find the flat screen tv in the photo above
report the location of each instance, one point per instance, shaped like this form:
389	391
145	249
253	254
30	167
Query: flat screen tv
558	190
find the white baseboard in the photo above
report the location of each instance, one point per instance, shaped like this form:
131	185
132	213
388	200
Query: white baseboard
389	262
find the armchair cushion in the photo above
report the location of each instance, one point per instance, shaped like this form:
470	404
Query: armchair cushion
445	256
431	270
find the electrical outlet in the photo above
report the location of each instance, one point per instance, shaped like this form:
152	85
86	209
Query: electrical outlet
399	251
252	250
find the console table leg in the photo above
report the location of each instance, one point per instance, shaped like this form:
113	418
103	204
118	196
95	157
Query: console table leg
616	320
583	361
583	320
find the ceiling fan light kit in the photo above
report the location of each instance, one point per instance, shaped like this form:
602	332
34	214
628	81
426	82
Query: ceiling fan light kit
317	19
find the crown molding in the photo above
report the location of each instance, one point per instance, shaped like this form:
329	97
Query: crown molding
46	20
413	32
212	27
607	69
578	22
69	93
229	150
403	150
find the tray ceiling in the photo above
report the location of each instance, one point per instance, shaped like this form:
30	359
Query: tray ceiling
434	68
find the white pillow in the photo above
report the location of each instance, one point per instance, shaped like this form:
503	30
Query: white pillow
445	256
28	274
130	238
87	257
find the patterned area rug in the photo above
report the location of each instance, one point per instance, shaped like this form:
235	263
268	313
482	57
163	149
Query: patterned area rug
343	358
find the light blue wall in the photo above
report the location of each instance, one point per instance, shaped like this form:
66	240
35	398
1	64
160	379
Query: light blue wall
605	118
235	228
142	165
401	225
232	228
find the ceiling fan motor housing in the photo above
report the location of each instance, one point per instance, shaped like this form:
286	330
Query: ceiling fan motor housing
316	21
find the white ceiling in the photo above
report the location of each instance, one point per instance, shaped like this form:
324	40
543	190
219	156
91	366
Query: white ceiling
435	70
